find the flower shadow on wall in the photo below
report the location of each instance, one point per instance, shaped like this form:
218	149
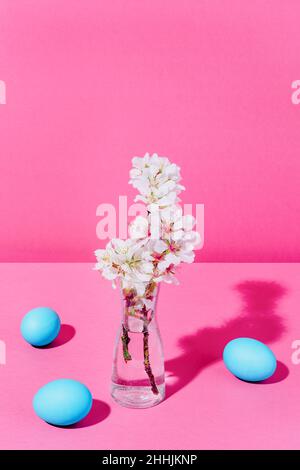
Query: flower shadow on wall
258	319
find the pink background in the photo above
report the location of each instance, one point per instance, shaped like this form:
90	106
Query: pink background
206	407
91	84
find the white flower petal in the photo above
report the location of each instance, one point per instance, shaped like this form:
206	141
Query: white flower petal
108	274
178	235
171	258
160	246
138	228
188	222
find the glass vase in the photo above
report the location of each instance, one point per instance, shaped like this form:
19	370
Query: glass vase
138	376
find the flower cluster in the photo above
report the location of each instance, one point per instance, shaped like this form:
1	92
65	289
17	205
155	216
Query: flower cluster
156	179
145	259
129	260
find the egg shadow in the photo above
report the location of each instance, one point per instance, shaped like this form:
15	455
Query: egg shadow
280	374
99	412
66	333
258	318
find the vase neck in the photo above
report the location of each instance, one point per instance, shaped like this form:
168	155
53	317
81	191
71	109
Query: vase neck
139	307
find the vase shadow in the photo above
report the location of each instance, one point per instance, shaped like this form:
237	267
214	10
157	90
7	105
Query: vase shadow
258	319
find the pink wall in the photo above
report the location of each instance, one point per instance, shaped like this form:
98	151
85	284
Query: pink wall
90	84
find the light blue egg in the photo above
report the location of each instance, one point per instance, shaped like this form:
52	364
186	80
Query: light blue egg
249	359
40	326
62	402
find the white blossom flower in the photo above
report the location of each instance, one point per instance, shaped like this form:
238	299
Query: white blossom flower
138	228
174	224
180	249
143	260
168	276
156	179
105	263
127	259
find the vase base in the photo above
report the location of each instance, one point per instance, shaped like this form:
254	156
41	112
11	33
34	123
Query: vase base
137	397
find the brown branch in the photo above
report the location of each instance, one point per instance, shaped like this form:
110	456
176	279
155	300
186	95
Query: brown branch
125	340
147	361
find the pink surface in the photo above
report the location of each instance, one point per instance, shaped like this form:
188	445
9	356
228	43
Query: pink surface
206	407
91	84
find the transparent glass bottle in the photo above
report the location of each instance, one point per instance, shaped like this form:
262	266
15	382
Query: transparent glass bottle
138	376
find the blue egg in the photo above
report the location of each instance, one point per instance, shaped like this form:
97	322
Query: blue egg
62	402
249	359
40	326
